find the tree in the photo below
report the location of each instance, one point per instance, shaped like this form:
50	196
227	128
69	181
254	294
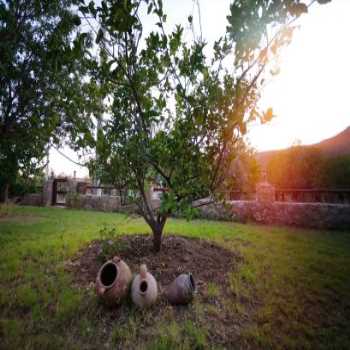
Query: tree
244	172
175	113
297	167
337	172
43	92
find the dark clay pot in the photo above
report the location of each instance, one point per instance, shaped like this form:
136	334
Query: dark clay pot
181	290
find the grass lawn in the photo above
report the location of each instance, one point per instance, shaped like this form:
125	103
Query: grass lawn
291	289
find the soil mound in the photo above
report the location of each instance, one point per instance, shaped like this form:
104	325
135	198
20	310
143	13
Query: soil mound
207	261
210	264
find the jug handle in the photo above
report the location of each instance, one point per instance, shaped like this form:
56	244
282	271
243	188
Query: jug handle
116	259
101	290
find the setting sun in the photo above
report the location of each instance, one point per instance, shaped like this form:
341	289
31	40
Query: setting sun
310	96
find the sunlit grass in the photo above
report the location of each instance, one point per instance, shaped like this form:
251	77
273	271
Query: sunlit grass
292	287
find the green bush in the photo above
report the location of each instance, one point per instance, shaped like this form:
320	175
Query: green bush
111	244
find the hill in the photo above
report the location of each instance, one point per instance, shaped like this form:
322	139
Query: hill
337	145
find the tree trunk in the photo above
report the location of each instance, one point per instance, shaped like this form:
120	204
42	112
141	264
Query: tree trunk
4	193
157	229
155	220
157	237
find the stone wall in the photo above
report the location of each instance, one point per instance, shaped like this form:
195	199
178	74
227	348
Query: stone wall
93	202
208	209
309	215
263	210
34	199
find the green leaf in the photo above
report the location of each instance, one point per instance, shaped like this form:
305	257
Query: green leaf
76	20
92	8
268	115
84	9
99	36
160	8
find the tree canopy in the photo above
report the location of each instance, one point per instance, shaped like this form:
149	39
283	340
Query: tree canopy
175	114
308	167
43	94
297	167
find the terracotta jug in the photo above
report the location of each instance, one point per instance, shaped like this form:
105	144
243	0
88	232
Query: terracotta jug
113	281
181	290
144	290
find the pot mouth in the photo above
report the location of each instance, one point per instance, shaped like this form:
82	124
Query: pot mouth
192	282
143	287
108	274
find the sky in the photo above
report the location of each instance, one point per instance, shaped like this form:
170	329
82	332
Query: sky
310	96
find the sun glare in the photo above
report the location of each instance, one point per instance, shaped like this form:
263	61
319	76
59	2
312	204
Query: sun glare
310	95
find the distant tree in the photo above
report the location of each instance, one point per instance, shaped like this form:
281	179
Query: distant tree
297	167
244	171
43	93
176	115
27	184
337	172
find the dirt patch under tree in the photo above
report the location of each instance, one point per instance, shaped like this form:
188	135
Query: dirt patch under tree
210	264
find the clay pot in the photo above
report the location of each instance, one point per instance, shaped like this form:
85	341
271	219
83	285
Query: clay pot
113	281
181	290
144	289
